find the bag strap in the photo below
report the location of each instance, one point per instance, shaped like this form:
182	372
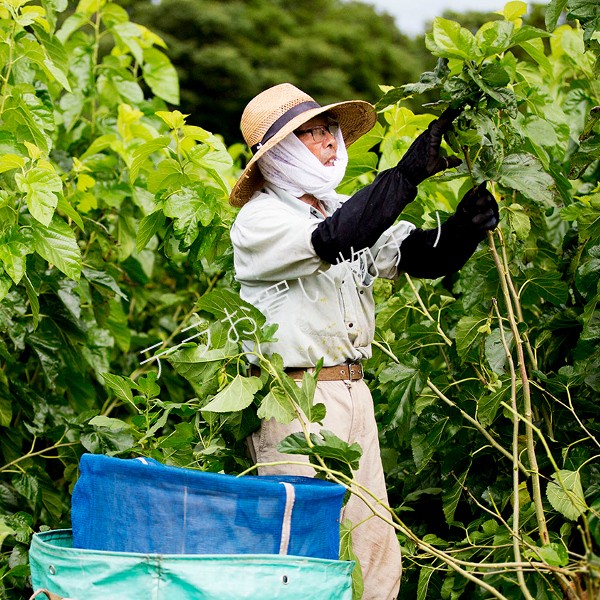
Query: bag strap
286	524
49	595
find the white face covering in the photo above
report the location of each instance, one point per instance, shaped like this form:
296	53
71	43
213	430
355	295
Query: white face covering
291	166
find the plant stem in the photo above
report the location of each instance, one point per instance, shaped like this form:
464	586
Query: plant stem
512	457
516	301
11	39
38	453
465	415
426	312
95	52
504	275
515	452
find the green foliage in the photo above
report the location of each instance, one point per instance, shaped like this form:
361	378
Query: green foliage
228	51
121	330
518	311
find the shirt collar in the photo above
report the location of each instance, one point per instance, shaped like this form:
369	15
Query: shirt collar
295	203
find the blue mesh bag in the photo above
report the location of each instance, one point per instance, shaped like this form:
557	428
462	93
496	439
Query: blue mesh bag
79	574
140	505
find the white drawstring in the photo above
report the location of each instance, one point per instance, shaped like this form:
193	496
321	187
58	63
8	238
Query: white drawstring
439	229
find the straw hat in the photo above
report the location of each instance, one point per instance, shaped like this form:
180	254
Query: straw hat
279	110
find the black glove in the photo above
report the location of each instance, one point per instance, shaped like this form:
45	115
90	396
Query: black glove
477	212
431	254
423	158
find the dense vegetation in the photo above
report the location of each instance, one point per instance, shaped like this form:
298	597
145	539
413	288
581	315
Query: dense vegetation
121	328
227	52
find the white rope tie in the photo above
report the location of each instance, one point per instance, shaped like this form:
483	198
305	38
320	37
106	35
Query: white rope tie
439	229
286	525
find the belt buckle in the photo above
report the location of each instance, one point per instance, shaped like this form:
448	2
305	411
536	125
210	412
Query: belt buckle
354	371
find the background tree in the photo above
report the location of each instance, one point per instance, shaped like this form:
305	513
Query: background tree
226	52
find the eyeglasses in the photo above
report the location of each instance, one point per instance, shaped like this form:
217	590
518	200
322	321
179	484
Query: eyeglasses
318	133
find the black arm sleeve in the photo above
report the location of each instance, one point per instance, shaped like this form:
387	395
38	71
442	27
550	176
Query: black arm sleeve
359	222
456	245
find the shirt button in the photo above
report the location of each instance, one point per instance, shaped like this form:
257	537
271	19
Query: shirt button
350	324
361	292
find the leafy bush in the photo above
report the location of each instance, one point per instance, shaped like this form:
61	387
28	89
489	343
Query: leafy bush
121	329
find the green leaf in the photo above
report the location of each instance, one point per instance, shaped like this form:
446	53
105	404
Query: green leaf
104	280
518	221
495	75
584	8
565	494
66	207
58	245
189	208
41	187
305	397
143	152
109	423
14	249
128	34
545	286
25	125
5	531
238	395
175	119
535	49
452	496
200	366
148	227
407	382
147	385
453	41
594	520
160	75
513	10
326	445
5	285
276	405
214	160
495	352
424	445
100	143
57	60
554	554
494	37
118	325
527	32
347	553
468	333
121	386
423	585
34	302
8	162
241	319
5	404
524	173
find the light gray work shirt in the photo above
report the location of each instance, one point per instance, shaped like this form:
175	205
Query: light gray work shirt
322	310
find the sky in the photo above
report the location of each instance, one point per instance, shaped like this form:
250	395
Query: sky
412	15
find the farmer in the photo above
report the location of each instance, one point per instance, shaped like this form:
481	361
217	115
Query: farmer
307	257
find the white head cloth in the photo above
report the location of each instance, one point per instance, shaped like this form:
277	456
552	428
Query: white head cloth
291	166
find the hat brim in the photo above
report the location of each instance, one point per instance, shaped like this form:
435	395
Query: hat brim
356	117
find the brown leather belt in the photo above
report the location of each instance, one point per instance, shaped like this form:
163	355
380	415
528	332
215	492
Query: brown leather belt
351	372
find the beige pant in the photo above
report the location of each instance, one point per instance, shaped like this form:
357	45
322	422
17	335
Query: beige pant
351	417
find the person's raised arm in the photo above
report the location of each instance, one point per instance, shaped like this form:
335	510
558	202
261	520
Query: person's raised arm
359	222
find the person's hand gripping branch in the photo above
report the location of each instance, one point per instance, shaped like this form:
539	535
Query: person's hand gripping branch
477	212
424	158
431	253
